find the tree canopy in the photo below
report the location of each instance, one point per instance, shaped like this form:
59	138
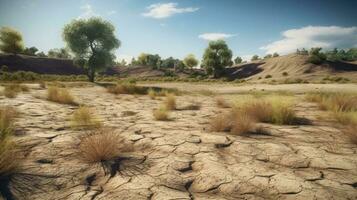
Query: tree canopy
255	57
238	60
30	51
59	53
216	57
92	41
11	41
190	61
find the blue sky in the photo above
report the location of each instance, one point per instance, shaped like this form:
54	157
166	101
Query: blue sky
179	27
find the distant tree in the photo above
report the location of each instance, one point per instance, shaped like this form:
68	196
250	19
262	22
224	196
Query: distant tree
351	54
268	56
315	56
92	42
30	51
216	57
133	62
154	61
238	60
255	57
303	51
41	54
275	54
59	53
143	59
168	63
11	41
190	61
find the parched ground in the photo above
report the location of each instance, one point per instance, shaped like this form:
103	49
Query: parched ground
180	158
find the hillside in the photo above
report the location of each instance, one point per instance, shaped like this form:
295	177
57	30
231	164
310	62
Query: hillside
39	65
295	66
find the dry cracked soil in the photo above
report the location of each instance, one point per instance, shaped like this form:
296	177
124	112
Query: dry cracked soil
179	158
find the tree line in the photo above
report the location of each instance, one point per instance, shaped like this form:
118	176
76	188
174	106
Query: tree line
91	44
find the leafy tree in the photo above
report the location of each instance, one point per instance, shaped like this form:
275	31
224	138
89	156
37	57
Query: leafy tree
41	54
30	51
143	59
254	58
168	62
11	41
154	61
216	57
238	60
92	42
351	54
303	51
275	54
268	56
315	56
59	53
133	62
190	61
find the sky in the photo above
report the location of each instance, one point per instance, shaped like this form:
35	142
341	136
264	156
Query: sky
180	27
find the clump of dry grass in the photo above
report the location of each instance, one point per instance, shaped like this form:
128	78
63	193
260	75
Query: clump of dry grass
243	124
274	110
60	95
12	90
152	94
170	101
42	84
221	123
222	103
102	145
161	114
83	118
351	131
9	159
127	88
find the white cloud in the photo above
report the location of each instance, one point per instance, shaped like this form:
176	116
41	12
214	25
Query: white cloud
164	10
87	12
314	36
215	36
246	57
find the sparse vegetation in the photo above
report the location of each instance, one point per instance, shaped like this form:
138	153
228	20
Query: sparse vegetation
170	101
161	114
83	117
102	145
222	103
285	74
9	159
60	95
268	76
13	89
127	88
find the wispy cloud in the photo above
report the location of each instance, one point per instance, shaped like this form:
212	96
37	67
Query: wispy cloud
87	12
314	36
164	10
127	58
215	36
111	12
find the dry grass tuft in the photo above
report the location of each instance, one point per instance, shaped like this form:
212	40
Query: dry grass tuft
60	95
102	145
222	103
170	101
221	123
83	118
351	131
152	94
9	159
243	124
337	102
161	114
42	85
12	90
127	88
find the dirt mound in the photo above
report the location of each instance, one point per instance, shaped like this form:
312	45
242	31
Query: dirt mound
40	65
291	66
138	71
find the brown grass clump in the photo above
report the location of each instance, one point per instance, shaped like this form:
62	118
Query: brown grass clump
161	114
102	145
222	122
42	84
351	131
9	159
152	93
243	124
60	95
337	102
83	118
127	88
170	101
12	90
222	103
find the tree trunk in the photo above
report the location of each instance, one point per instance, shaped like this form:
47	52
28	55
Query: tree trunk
91	75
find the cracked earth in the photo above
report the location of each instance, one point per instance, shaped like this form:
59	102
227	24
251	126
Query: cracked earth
180	158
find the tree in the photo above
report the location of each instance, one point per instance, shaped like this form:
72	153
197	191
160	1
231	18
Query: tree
92	42
30	51
190	61
168	63
216	57
255	57
238	60
41	54
153	61
11	41
275	54
59	53
315	56
142	59
268	56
